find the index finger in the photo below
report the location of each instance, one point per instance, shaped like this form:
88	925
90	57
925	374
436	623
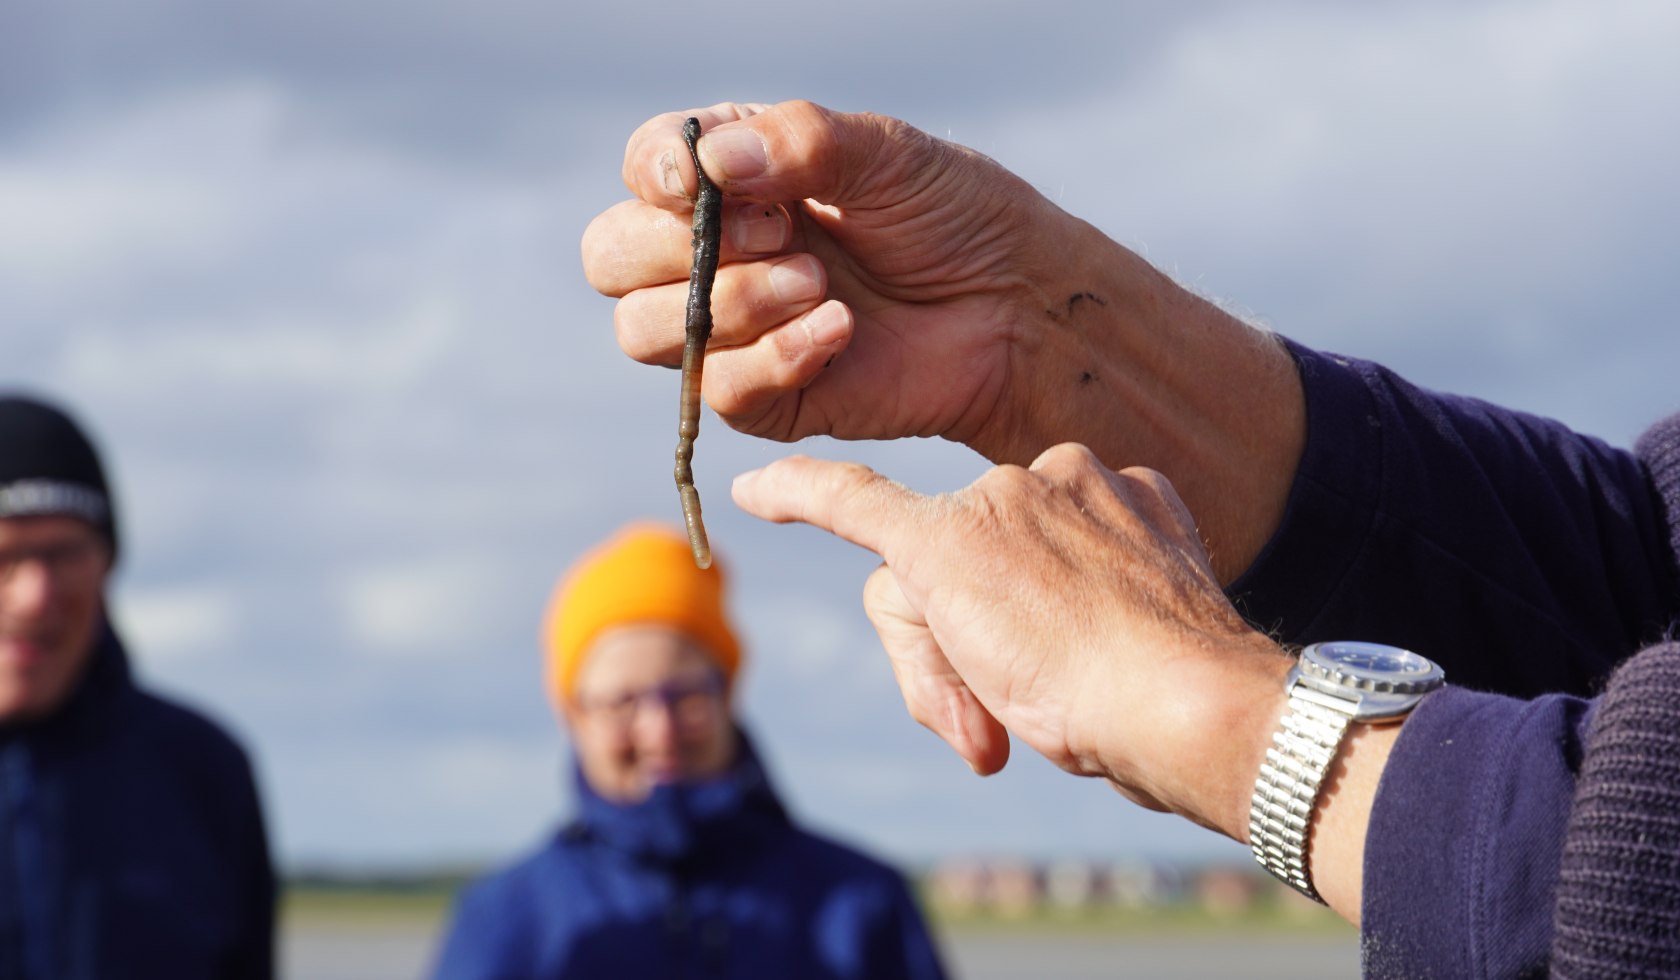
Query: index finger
848	500
657	167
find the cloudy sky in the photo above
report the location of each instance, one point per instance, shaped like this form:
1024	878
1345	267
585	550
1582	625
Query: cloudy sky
310	272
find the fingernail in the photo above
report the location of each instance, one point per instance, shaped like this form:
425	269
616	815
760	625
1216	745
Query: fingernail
796	280
826	324
758	228
734	154
745	479
669	177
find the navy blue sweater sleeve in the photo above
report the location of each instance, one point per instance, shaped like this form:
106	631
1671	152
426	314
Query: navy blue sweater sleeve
1462	850
1524	557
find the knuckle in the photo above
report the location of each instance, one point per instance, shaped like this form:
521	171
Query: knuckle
726	390
1146	476
790	350
878	588
629	328
1007	480
851	492
745	380
594	249
803	113
742	403
1148	482
810	132
854	479
1067	456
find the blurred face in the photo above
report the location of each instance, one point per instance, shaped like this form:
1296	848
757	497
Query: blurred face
649	707
52	583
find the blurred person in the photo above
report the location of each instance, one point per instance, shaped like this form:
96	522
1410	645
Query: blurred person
1168	478
131	837
681	860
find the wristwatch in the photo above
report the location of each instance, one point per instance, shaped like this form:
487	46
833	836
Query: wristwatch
1331	686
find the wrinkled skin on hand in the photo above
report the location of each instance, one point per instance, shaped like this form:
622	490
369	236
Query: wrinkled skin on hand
1069	604
924	253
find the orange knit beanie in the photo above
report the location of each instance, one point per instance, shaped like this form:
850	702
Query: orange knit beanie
643	574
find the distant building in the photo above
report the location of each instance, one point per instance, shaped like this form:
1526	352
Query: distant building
1014	889
1139	885
958	885
1010	887
1229	891
1006	887
1075	886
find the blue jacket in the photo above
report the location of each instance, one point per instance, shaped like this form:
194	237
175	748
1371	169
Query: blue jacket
1530	561
703	880
131	842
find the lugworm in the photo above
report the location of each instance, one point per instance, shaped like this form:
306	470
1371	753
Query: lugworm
697	323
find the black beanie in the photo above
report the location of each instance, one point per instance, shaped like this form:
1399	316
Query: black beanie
48	466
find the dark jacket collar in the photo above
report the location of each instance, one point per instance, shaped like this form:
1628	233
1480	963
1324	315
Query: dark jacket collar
688	824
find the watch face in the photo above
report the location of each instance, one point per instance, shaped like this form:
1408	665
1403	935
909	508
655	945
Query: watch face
1374	658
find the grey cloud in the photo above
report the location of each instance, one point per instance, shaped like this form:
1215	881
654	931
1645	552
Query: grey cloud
529	80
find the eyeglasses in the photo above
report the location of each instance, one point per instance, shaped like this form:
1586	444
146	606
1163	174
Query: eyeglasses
692	702
60	560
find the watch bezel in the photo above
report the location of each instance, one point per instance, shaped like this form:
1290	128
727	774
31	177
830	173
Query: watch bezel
1336	669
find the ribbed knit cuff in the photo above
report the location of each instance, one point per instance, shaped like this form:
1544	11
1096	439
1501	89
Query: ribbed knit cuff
1659	450
1618	905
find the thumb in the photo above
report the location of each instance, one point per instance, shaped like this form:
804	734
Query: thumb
799	150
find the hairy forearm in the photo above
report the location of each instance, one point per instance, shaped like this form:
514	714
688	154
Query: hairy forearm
1205	768
1110	352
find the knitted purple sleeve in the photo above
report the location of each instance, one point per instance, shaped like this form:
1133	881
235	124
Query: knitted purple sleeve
1618	895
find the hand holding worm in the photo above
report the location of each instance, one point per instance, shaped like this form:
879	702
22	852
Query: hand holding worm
882	283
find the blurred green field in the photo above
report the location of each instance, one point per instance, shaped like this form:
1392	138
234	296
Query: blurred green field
363	906
1158	921
344	930
425	906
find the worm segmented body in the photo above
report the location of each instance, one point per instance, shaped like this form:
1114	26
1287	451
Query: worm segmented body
708	220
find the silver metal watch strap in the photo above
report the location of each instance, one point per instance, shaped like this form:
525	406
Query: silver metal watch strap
1286	791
